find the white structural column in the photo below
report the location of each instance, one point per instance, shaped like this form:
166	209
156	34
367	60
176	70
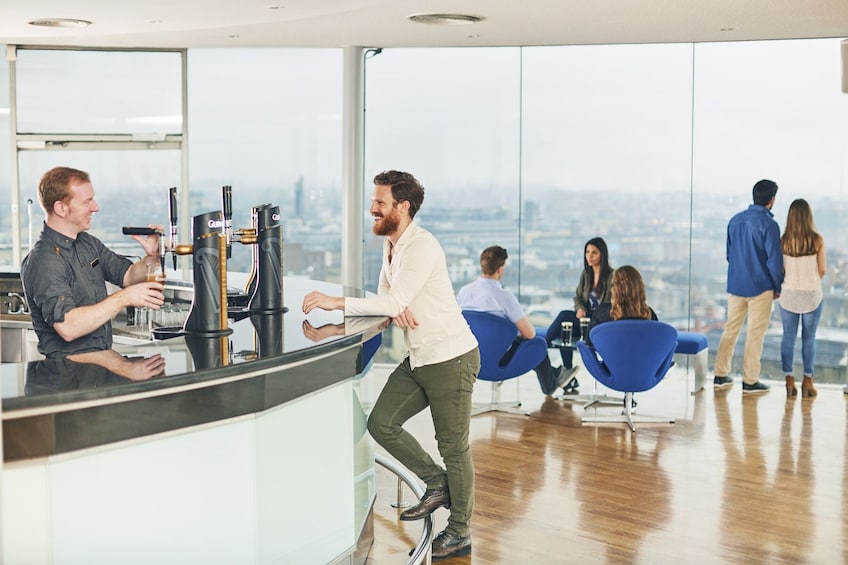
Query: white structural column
353	153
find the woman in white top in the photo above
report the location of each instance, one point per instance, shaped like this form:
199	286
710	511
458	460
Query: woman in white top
801	296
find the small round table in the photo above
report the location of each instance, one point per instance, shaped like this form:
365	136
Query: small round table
589	400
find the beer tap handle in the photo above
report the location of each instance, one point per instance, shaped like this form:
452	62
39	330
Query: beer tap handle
162	252
227	210
130	230
172	213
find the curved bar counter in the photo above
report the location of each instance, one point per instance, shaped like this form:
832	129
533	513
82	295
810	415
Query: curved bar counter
250	448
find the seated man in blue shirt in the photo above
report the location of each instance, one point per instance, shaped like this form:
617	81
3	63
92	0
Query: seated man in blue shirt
487	295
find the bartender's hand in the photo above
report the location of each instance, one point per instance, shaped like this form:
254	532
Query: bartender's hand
320	300
581	313
83	320
142	369
150	243
405	320
325	331
136	369
145	295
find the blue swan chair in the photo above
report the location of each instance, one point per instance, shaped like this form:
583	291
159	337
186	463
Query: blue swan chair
495	335
629	356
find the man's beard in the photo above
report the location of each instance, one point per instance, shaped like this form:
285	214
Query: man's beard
387	225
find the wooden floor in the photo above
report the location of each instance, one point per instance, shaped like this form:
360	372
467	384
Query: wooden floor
737	479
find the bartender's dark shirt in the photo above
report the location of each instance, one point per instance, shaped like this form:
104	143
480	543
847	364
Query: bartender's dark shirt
59	374
60	274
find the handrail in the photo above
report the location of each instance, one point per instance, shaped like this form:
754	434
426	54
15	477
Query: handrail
421	552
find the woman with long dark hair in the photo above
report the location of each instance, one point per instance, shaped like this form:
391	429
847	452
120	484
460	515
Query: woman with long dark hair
804	265
592	289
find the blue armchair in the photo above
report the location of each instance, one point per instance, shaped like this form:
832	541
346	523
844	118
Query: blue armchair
495	336
629	356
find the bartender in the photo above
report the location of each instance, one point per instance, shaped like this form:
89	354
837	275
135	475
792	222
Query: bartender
64	275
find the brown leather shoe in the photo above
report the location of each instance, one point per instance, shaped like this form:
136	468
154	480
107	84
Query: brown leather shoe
432	499
446	546
807	388
791	390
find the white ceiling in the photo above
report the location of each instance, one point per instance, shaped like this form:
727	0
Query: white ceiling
383	23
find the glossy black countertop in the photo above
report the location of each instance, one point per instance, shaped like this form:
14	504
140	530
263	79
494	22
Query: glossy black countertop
257	344
142	388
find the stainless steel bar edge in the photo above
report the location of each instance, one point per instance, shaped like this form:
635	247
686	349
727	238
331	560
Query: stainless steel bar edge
421	553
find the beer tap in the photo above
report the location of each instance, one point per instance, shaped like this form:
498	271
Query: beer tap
172	213
227	212
162	252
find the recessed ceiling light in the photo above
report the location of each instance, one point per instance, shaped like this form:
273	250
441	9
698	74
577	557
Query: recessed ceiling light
273	7
728	29
445	19
473	35
233	36
60	22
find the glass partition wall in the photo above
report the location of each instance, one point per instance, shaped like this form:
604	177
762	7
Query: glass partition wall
266	122
771	110
652	147
116	114
538	149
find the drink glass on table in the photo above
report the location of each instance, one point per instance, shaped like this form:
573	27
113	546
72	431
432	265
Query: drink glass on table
566	333
584	327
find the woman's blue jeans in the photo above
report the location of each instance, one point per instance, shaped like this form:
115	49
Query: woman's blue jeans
809	323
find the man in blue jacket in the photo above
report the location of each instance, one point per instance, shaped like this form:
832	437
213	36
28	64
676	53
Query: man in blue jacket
754	278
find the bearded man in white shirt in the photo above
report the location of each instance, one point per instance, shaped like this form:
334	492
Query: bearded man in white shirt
415	291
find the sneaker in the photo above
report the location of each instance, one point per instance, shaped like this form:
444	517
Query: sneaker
567	380
722	382
758	386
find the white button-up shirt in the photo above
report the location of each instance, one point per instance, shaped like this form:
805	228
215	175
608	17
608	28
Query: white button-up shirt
417	278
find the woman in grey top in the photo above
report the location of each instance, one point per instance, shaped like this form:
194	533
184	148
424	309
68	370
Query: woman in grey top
801	296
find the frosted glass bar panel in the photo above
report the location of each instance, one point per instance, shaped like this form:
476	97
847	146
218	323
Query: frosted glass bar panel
98	92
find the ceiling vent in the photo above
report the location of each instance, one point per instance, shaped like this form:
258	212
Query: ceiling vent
445	19
60	22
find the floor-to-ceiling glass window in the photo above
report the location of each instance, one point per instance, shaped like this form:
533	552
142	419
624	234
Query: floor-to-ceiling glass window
131	188
268	122
652	147
114	114
5	167
451	118
606	153
771	109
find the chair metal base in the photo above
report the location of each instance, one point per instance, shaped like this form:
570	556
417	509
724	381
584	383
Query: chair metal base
699	364
590	400
511	407
627	416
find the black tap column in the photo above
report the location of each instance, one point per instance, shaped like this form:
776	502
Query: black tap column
267	296
208	315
